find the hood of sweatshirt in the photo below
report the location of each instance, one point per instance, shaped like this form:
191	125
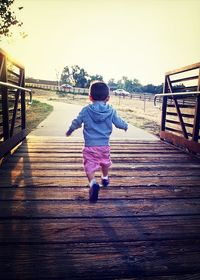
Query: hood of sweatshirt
99	111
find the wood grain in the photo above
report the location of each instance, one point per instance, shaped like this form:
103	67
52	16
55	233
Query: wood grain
146	225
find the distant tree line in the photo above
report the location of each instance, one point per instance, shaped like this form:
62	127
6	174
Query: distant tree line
78	77
134	86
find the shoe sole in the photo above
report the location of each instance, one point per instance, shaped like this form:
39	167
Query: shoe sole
94	193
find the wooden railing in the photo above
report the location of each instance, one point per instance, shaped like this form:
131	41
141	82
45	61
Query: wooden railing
12	103
180	120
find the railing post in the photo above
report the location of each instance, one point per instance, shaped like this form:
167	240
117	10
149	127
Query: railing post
4	93
23	100
195	133
176	104
164	106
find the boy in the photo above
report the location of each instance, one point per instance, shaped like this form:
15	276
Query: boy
97	118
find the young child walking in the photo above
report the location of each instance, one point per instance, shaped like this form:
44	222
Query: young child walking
97	119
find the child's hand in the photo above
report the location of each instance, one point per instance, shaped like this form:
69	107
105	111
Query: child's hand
68	133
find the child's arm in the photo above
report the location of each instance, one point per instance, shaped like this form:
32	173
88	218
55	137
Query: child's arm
119	122
76	123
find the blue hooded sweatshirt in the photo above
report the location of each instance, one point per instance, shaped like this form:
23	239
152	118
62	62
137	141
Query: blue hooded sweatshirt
97	118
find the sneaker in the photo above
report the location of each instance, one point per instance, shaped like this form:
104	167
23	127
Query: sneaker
105	182
94	192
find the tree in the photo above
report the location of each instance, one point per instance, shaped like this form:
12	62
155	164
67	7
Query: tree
66	76
7	18
130	85
152	89
120	84
94	78
159	89
74	76
112	84
80	77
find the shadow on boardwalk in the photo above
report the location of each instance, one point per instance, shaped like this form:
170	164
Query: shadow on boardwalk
145	226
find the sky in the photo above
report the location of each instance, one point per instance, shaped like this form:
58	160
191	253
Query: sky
139	39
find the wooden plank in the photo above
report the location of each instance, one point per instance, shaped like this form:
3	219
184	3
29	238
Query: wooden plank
75	143
114	192
78	144
81	182
189	116
177	140
72	156
104	208
24	173
13	73
185	79
85	230
177	123
100	260
42	139
113	151
132	169
176	131
184	69
113	147
186	105
191	276
116	160
43	164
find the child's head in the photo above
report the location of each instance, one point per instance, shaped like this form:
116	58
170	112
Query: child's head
99	91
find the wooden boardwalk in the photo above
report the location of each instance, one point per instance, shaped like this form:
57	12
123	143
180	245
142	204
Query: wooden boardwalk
145	226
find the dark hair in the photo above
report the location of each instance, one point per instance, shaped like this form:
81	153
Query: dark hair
99	90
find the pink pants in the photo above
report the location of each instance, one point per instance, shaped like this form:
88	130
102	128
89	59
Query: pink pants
96	157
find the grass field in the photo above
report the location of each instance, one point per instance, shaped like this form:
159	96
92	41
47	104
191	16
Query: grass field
36	112
136	112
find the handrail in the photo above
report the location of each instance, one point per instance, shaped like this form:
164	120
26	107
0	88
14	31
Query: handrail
13	125
18	87
14	62
183	69
174	94
14	86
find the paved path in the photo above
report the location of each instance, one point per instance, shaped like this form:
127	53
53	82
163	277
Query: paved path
60	119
